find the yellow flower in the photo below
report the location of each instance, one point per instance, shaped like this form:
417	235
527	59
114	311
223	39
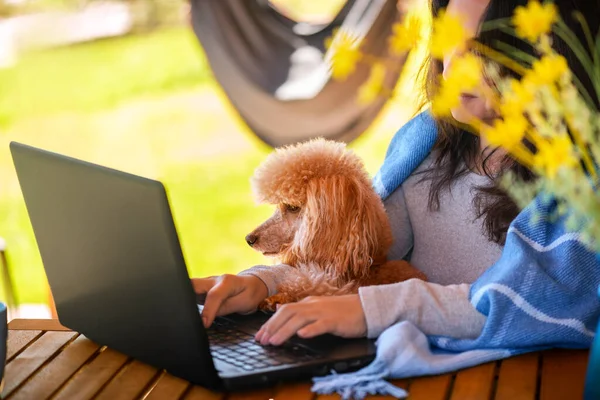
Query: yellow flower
447	98
373	87
329	39
463	75
406	35
448	35
506	133
517	99
535	20
547	70
555	154
344	55
465	72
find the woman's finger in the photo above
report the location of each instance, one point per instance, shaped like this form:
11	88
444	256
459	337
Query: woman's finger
215	298
233	304
289	329
316	328
283	313
203	285
281	316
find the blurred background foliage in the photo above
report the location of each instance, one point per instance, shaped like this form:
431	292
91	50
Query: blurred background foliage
145	102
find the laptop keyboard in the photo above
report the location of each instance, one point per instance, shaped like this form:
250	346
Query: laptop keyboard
235	347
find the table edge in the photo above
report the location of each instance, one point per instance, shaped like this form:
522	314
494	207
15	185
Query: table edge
36	325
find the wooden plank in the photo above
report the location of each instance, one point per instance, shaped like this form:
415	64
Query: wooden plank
17	340
563	374
52	376
33	357
258	394
294	391
200	393
167	387
517	378
36	324
430	387
129	382
474	383
328	397
92	376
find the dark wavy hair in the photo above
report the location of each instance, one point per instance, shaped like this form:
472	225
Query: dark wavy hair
458	151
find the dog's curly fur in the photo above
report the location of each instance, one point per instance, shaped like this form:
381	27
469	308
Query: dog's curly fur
329	224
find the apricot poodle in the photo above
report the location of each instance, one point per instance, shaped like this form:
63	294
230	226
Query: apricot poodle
329	223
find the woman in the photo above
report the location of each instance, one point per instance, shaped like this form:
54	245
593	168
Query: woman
450	215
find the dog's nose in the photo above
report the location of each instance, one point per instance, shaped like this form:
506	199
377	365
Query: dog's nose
251	239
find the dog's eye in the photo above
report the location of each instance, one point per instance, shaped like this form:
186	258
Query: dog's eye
291	208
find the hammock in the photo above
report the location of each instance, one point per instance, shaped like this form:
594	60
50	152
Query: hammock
272	68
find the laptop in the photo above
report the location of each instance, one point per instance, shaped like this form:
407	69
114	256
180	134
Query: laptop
115	267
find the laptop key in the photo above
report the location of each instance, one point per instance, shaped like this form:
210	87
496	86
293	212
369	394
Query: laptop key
241	350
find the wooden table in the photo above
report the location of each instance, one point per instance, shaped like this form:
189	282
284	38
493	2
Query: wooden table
47	360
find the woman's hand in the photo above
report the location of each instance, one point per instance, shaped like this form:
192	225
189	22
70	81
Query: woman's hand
227	294
340	315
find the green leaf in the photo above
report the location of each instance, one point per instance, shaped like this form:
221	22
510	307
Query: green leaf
517	53
566	34
495	24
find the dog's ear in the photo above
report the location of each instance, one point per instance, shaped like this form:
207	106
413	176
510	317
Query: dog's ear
340	227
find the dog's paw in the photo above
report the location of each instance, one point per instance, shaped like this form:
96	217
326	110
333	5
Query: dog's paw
270	303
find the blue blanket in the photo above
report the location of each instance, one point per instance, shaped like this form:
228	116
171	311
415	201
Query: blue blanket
541	293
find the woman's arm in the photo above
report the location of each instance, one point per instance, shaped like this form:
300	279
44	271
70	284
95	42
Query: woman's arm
272	276
434	309
395	208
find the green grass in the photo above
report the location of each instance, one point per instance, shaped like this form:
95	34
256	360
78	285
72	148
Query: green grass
146	105
100	75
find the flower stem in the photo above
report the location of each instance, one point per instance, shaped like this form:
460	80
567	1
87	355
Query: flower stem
494	24
565	33
522	155
517	53
583	91
500	58
582	146
535	137
588	35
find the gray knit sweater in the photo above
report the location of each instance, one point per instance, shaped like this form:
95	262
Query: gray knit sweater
449	246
